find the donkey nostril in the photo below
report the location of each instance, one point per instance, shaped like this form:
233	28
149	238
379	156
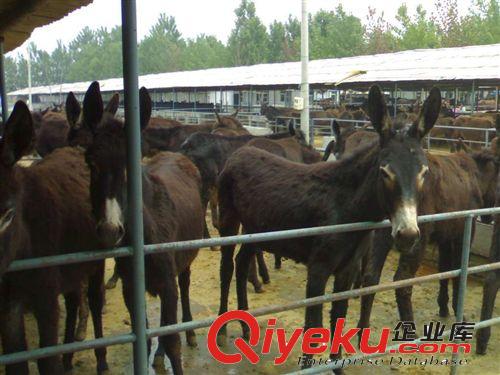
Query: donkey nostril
408	233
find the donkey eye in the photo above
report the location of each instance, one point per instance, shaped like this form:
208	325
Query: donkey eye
386	173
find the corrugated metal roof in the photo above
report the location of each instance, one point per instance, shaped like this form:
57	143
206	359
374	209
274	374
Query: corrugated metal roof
18	18
480	63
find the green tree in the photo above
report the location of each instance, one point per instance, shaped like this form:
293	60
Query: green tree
379	35
416	32
162	49
205	52
335	34
248	42
284	40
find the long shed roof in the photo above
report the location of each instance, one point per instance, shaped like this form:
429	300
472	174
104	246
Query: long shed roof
18	18
412	68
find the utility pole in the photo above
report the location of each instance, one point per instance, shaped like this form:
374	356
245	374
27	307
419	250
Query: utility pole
304	55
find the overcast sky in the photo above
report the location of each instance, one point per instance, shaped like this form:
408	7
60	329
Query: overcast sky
200	16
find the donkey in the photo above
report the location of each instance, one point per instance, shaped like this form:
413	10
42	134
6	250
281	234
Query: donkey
471	178
45	210
172	212
383	179
491	283
209	152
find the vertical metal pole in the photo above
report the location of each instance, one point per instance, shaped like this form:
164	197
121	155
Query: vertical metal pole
395	100
456	100
473	99
30	98
496	98
463	278
3	89
195	98
134	182
304	56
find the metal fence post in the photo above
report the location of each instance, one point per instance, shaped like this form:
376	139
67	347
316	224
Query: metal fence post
134	182
3	89
463	278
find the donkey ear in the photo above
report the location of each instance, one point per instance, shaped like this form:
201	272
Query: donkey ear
235	113
93	107
428	114
218	117
329	149
146	106
336	130
291	128
18	135
73	109
113	104
377	110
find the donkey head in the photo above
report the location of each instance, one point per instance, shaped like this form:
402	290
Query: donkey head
402	165
83	123
106	157
16	142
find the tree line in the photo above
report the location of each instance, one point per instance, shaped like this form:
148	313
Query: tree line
96	54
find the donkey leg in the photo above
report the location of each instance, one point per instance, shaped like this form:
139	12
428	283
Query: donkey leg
95	293
111	284
184	281
263	272
83	313
407	268
444	264
46	309
490	290
171	343
243	259
317	276
71	301
125	272
277	262
253	277
376	257
13	335
343	282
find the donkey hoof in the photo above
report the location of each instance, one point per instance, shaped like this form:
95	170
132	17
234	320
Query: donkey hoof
443	313
221	339
111	284
80	334
266	281
191	339
159	363
258	288
481	348
103	369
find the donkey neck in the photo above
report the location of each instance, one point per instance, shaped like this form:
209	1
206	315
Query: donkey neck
354	182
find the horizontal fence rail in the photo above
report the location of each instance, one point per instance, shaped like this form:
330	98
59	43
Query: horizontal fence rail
71	258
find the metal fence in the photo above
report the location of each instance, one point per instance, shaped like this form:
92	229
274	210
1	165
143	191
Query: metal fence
134	336
138	250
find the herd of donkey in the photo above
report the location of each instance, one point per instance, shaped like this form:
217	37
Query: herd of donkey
74	199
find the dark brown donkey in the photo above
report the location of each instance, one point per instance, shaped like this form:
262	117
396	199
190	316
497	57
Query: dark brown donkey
456	182
172	212
209	152
45	210
491	283
265	193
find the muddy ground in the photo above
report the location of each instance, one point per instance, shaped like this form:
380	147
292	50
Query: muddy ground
287	284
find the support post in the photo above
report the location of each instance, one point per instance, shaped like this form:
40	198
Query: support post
463	279
496	98
304	56
456	101
134	182
3	89
395	100
473	98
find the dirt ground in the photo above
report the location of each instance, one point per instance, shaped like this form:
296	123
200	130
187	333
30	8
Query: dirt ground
287	284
